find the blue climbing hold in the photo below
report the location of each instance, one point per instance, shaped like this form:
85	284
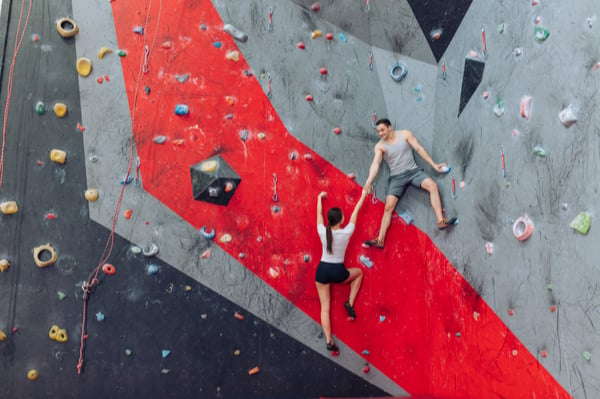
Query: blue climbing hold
181	109
152	269
127	180
99	316
210	235
366	352
165	353
406	217
342	37
445	169
139	30
217	44
366	261
381	318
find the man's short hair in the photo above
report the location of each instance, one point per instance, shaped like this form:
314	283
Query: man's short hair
385	121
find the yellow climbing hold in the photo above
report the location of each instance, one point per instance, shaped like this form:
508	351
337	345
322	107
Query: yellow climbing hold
61	335
209	166
4	264
66	27
2	336
9	207
58	156
188	288
84	66
315	34
53	332
60	109
233	55
32	375
91	194
103	51
225	238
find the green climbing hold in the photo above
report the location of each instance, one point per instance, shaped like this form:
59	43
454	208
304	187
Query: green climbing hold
501	28
121	53
40	108
541	34
539	151
582	222
587	356
61	295
549	286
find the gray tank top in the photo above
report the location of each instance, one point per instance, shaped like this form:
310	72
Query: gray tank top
399	156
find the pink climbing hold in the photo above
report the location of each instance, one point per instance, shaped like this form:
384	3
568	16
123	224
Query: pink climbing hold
351	176
316	6
525	106
323	71
337	130
329	36
308	97
301	45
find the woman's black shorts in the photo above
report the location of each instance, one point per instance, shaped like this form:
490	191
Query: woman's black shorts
331	273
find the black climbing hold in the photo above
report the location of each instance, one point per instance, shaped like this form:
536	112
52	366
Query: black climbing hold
214	181
472	75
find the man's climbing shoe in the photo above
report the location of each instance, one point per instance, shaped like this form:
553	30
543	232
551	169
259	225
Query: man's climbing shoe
445	223
350	309
331	346
373	243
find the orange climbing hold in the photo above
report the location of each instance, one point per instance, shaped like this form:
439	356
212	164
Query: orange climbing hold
238	316
127	213
253	371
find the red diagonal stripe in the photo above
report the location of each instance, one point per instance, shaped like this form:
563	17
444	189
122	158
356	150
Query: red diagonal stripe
422	323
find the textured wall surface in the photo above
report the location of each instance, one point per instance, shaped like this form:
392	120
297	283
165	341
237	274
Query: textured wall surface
469	312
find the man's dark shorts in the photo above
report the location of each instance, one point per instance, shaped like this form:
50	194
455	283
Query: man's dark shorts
399	183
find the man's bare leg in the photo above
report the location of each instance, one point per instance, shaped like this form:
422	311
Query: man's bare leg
390	205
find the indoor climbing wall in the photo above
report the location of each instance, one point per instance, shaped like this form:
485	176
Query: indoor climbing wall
159	198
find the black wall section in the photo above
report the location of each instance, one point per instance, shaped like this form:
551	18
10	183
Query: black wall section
143	312
441	16
472	75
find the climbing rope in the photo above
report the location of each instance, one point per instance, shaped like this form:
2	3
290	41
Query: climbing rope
18	40
93	280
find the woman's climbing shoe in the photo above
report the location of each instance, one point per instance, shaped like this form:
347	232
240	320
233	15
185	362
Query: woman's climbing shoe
350	309
331	346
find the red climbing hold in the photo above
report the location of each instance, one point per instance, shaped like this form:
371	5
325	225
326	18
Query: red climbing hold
50	216
127	213
108	269
366	369
316	6
100	80
308	97
80	128
329	36
301	45
323	71
337	130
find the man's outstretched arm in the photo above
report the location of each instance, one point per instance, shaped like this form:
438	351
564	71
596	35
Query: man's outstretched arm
414	143
374	169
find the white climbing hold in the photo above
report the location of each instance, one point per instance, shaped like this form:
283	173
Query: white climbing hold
568	116
235	33
151	250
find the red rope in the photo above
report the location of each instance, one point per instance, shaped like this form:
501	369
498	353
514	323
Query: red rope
93	277
11	74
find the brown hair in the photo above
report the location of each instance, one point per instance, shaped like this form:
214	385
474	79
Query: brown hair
334	216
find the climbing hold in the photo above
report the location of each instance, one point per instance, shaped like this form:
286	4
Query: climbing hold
366	261
166	45
135	249
37	251
476	315
274	272
225	238
127	213
205	254
53	332
233	55
485	95
301	45
366	352
514	352
80	127
436	34
203	26
315	6
511	312
582	222
60	109
253	370
308	97
2	336
445	169
32	375
139	30
61	295
122	53
103	51
182	78
499	107
61	336
84	66
351	176
306	258
539	151
553	308
99	80
366	369
337	130
381	318
567	116
235	33
540	34
489	248
237	352
147	89
217	44
329	36
159	139
316	33
165	353
208	235
9	207
523	228
187	288
525	106
501	27
261	136
587	355
152	269
238	316
100	316
181	109
40	108
543	354
66	27
91	194
150	250
323	71
4	265
128	352
109	269
398	71
209	166
458	334
126	180
230	100
406	217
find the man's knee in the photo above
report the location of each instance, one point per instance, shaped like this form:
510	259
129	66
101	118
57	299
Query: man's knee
390	205
429	185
